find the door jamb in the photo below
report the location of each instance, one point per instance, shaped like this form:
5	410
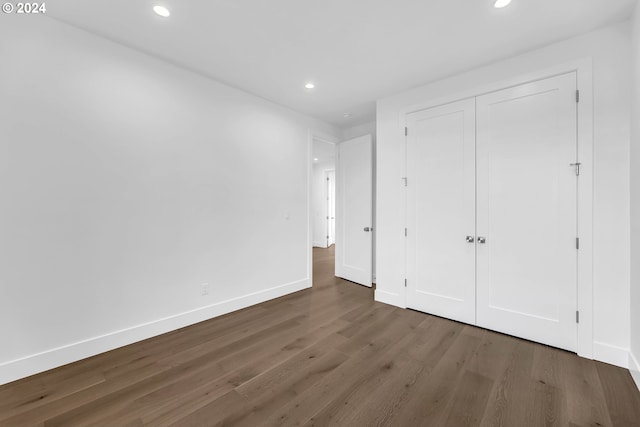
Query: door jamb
325	176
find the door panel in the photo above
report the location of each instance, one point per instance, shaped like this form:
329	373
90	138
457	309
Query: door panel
526	210
441	211
354	195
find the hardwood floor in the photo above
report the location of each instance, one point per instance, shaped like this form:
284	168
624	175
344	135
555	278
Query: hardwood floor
328	356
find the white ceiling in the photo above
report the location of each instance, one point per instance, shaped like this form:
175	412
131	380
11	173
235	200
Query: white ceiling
355	51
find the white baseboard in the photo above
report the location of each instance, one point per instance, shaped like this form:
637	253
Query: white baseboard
611	354
634	368
53	358
389	298
320	245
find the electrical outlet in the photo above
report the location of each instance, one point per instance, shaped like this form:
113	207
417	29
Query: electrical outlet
204	289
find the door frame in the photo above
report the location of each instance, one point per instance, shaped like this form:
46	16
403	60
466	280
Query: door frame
328	203
584	76
329	139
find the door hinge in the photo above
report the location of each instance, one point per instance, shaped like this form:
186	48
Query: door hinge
405	232
406	181
405	283
577	316
577	243
577	166
577	96
406	131
327	178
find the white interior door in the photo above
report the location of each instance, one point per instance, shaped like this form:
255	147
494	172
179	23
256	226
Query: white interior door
441	211
354	195
331	207
526	211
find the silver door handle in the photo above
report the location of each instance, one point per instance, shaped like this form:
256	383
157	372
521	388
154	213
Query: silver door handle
470	239
482	240
577	166
368	229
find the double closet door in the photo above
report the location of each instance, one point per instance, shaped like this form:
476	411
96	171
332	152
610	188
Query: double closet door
492	211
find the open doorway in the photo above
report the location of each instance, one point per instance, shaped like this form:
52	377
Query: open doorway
341	207
323	193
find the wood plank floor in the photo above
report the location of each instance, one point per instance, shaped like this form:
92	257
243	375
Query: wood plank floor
328	356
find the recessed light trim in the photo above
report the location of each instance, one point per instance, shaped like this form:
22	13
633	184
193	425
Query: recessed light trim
315	159
499	4
309	85
162	11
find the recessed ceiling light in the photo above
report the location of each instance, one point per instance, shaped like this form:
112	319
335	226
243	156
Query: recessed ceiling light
162	11
501	3
315	159
309	85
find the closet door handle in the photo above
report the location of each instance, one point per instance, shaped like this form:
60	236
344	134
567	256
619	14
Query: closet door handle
482	240
470	239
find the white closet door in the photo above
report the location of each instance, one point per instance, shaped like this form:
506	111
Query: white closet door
526	211
441	211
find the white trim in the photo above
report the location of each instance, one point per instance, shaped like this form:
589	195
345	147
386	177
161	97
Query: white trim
611	354
634	368
390	298
325	137
583	66
584	71
310	245
53	358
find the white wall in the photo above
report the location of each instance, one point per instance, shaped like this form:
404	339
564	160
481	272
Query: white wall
634	362
609	48
368	128
125	184
319	203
